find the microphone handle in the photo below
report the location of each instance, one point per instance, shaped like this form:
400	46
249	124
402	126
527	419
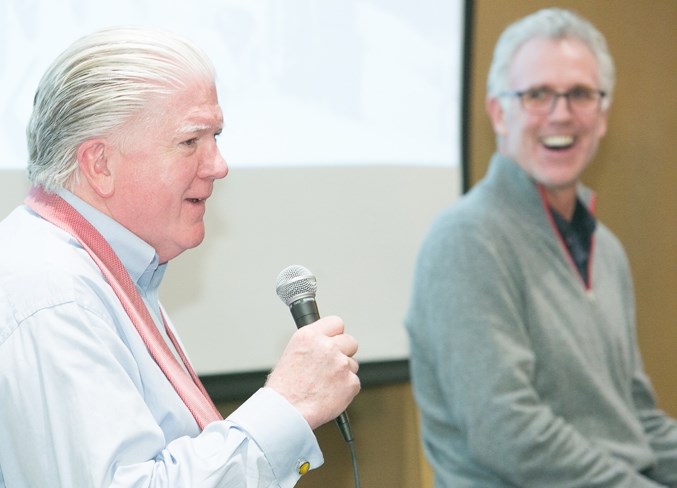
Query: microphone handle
305	312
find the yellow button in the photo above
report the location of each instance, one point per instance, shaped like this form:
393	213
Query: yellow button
304	468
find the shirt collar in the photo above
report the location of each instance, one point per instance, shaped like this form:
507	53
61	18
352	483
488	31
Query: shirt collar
582	223
138	257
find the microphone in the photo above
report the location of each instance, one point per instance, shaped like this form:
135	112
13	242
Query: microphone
296	287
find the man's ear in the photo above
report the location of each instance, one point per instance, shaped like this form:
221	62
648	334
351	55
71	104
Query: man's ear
94	166
496	115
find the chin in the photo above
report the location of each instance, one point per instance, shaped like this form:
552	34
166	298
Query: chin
558	183
562	177
197	240
187	241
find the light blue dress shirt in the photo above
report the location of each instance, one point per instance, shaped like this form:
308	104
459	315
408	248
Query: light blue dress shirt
83	404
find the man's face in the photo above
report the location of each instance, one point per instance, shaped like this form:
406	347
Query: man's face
164	170
554	148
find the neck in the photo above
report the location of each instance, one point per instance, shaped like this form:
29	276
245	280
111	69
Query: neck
88	195
563	200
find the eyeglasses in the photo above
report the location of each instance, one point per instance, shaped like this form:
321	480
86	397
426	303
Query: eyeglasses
542	101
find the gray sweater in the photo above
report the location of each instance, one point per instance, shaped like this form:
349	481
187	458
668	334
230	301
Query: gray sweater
524	375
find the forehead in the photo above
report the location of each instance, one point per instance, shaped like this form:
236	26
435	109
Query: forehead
167	119
553	62
195	106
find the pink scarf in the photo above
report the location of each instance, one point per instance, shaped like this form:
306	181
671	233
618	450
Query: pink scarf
188	386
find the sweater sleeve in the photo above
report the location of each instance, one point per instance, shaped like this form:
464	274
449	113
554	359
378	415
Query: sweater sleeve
660	429
468	308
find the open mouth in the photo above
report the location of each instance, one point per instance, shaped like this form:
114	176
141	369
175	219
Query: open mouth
558	142
196	200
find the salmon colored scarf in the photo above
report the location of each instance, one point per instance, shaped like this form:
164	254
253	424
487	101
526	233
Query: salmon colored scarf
188	386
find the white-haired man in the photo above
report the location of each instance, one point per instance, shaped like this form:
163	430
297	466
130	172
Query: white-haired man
96	389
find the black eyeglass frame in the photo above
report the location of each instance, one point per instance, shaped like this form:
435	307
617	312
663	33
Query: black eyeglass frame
599	96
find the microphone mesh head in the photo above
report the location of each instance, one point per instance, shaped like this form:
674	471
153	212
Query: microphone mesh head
295	282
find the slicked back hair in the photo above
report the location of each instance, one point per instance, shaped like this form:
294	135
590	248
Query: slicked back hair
95	86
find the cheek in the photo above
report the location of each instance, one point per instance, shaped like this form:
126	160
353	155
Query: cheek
521	134
601	127
170	184
518	124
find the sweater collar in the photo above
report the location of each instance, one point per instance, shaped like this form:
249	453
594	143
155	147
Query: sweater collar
517	189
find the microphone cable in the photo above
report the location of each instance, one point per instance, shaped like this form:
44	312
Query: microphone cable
343	423
353	460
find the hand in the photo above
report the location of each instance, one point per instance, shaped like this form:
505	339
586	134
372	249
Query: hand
317	372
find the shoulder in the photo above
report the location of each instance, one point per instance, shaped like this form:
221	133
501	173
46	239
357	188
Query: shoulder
44	267
608	240
610	255
478	218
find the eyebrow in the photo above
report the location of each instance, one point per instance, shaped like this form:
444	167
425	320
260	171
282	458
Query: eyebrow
190	128
549	87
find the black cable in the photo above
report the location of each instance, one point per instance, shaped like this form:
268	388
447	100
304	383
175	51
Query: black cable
353	458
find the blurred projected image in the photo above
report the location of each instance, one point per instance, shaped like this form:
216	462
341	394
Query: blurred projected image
338	82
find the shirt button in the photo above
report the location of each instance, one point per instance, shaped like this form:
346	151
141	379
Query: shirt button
304	467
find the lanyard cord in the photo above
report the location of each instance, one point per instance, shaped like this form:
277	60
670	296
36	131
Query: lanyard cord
56	210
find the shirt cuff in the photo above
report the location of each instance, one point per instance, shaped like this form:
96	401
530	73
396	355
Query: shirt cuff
282	434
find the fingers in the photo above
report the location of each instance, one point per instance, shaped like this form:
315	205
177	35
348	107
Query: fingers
353	366
317	372
334	327
331	325
346	344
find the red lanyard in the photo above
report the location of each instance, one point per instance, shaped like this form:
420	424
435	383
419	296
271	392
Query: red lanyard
188	386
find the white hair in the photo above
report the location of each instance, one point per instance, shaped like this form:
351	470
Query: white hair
551	23
98	84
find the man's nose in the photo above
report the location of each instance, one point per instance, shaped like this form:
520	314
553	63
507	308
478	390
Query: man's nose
214	166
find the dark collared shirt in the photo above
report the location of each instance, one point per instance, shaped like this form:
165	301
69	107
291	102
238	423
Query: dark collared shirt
577	235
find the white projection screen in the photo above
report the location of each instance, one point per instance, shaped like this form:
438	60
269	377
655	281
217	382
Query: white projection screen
343	134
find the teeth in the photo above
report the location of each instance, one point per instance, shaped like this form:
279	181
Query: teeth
558	141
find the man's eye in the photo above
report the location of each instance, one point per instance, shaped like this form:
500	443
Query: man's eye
581	94
538	94
190	142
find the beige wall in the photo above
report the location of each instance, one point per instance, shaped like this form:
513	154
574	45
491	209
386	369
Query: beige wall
634	174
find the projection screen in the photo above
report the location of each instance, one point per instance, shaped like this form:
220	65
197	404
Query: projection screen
343	137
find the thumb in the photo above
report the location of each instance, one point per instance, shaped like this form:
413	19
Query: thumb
330	326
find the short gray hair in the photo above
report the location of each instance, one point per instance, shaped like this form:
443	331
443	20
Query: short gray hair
551	23
98	84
